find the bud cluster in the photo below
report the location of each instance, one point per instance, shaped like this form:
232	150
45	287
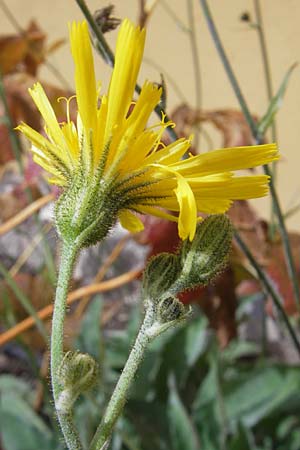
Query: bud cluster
196	263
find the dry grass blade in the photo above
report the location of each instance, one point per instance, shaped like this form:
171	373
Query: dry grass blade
25	213
73	296
28	251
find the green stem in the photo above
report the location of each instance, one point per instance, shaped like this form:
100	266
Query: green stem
120	393
253	127
268	285
68	256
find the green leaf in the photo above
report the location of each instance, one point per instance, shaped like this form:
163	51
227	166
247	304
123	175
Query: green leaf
125	433
148	421
16	386
242	440
260	394
238	349
22	428
275	104
183	434
180	353
86	416
195	340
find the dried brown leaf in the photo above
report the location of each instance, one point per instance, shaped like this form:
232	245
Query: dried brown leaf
231	124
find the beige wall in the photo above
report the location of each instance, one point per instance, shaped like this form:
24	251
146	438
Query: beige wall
169	46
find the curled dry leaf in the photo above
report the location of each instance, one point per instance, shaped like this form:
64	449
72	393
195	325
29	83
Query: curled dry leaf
24	52
277	271
231	124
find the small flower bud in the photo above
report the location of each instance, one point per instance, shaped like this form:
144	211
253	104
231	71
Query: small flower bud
170	309
77	374
204	257
160	273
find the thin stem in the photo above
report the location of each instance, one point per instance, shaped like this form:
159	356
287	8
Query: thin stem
120	393
268	285
266	64
253	127
68	256
285	239
196	65
227	66
174	16
268	79
109	58
10	16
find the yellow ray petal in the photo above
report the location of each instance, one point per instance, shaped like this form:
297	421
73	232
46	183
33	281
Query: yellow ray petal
213	205
135	154
99	143
71	137
86	91
148	99
170	154
44	106
154	211
130	221
128	57
227	159
187	220
239	188
50	168
44	147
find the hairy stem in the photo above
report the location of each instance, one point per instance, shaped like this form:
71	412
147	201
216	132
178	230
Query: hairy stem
119	395
68	256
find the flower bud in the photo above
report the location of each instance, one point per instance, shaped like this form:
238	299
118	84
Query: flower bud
204	257
160	273
77	373
169	309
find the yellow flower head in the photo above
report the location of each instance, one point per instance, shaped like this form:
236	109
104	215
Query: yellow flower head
114	165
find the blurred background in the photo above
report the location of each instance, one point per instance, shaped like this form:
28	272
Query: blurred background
168	51
229	378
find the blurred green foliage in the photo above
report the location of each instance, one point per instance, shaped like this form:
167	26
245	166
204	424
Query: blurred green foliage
187	395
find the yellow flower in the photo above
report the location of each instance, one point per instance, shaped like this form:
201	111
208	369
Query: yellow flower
123	165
